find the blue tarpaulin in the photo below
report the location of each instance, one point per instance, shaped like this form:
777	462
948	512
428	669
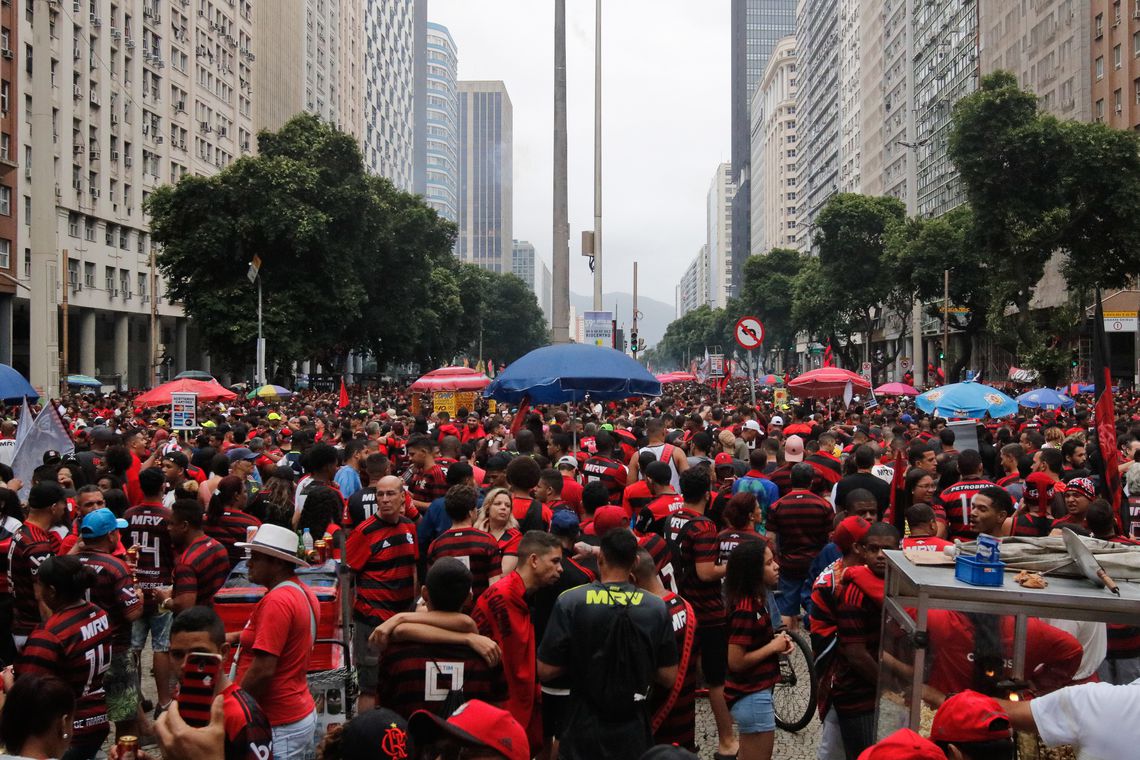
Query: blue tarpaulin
570	372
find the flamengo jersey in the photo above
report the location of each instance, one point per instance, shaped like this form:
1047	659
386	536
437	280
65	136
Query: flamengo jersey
610	472
30	546
74	644
478	550
956	501
248	735
419	677
383	556
148	531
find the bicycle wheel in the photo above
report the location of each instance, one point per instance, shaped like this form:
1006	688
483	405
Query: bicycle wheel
793	698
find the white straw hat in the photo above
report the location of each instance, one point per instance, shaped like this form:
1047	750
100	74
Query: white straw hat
275	541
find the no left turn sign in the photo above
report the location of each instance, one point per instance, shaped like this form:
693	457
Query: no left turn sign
749	333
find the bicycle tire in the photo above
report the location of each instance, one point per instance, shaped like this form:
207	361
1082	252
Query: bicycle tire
793	698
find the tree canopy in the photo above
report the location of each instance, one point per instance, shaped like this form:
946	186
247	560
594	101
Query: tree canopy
348	262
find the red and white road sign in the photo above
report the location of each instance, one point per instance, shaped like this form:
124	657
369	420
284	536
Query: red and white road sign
749	333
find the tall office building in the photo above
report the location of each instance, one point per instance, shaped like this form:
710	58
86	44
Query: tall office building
775	211
390	46
817	111
693	289
757	25
852	16
11	95
441	162
145	93
532	270
350	68
486	165
719	230
1116	63
298	63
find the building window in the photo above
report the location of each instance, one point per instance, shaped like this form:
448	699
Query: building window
1100	25
1116	57
1116	13
1100	110
88	275
1100	67
1118	101
5	201
5	253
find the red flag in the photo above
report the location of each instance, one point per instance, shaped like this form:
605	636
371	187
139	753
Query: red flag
828	357
520	416
343	402
897	484
1105	418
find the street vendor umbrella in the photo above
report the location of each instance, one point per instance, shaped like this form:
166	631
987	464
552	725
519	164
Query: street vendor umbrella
14	386
966	401
194	374
570	372
896	389
769	380
827	382
160	395
270	392
677	377
85	381
1045	398
451	379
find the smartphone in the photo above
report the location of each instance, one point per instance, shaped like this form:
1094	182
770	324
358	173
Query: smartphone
199	676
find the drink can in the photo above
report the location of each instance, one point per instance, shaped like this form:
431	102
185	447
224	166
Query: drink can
128	748
250	532
321	548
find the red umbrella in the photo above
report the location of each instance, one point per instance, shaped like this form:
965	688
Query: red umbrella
451	379
206	390
896	389
677	377
827	382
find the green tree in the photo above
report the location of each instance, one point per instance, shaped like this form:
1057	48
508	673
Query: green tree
767	293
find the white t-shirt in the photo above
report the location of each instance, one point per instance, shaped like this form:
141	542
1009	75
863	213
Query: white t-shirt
1098	719
1094	641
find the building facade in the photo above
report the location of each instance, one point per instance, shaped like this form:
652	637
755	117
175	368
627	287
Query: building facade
775	208
532	270
757	25
1116	63
719	229
298	57
11	95
390	45
852	16
693	289
441	162
818	116
486	195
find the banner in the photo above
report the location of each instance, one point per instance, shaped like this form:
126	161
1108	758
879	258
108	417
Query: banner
444	401
1104	413
598	328
183	411
46	433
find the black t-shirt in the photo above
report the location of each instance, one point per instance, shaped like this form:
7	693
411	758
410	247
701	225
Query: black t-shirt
362	505
880	488
577	628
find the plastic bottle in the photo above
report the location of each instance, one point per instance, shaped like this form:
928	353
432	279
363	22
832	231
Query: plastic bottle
307	541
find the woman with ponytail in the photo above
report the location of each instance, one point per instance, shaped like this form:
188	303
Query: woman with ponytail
226	519
74	645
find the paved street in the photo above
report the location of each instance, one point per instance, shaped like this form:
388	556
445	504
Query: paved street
799	746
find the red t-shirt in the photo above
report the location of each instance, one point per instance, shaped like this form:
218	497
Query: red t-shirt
282	624
572	493
926	543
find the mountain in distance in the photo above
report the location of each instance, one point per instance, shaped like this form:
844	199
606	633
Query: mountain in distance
655	315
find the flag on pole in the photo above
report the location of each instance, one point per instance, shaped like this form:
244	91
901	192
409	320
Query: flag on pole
828	356
1105	419
45	433
520	416
848	393
24	424
342	403
898	485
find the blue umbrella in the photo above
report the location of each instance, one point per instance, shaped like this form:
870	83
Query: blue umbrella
570	372
966	401
1045	398
13	386
85	381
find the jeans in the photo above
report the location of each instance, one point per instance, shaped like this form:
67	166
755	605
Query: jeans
830	741
295	741
858	732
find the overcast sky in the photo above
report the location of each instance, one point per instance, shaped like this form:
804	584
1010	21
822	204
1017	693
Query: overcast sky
665	111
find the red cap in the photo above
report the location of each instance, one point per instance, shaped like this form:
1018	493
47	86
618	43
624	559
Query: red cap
970	717
723	459
609	518
850	532
285	433
1039	490
475	722
903	744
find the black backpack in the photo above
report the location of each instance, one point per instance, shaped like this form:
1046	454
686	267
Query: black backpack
620	672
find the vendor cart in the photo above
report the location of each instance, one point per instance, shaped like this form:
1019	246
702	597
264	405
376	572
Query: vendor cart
913	590
332	677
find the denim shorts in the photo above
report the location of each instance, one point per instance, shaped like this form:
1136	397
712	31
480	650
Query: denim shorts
157	626
754	713
790	594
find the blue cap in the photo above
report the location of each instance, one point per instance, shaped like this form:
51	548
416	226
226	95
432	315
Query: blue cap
564	522
240	452
99	523
907	419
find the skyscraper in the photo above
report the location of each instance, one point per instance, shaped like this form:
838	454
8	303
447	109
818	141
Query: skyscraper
441	128
486	179
532	270
817	112
775	215
756	27
389	88
719	236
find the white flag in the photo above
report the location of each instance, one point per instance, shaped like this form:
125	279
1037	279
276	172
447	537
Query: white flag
24	424
848	393
46	433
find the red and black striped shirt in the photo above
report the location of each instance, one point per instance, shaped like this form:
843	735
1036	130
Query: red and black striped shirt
201	570
114	592
478	550
858	618
653	516
680	724
956	501
782	477
635	498
802	522
610	472
508	546
383	555
149	531
230	529
74	644
827	467
694	535
30	546
427	485
417	676
750	627
248	734
663	560
729	539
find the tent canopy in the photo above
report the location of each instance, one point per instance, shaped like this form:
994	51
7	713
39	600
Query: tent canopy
827	382
571	372
207	391
451	379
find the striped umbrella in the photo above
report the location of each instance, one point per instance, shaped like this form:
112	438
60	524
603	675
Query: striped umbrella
270	391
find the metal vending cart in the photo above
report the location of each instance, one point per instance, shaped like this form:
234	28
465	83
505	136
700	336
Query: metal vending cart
913	591
332	678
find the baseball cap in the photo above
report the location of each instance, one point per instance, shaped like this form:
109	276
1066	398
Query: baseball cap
274	416
379	734
609	518
568	462
723	459
99	523
753	425
794	449
475	722
240	452
970	717
850	531
903	744
777	420
1083	486
102	434
564	522
285	433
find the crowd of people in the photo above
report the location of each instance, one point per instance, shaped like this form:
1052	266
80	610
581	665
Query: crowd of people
552	582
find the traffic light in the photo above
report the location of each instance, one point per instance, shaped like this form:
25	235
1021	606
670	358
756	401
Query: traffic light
941	353
1074	358
633	341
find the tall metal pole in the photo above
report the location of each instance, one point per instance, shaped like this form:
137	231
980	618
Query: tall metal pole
917	363
154	362
560	319
598	157
260	340
946	325
633	337
43	359
63	331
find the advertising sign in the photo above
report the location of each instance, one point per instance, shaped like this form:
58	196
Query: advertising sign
598	328
183	411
